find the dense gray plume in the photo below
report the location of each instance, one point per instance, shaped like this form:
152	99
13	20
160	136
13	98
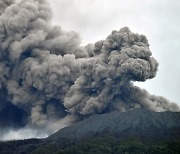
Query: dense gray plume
52	80
4	4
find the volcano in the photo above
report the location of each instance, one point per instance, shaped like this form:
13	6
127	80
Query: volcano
140	123
139	129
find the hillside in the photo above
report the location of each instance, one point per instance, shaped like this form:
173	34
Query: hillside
137	131
141	123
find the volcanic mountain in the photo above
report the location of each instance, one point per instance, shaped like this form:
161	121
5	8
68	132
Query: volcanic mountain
141	123
147	131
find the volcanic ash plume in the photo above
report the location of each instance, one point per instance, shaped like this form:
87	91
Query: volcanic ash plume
47	80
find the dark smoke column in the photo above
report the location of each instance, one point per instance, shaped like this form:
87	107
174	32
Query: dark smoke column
105	82
39	62
52	81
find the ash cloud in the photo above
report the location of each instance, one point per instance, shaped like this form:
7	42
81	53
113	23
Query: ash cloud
52	81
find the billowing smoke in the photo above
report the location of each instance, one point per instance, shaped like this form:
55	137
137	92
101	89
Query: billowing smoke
47	80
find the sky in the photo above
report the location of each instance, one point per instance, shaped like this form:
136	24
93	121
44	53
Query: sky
158	20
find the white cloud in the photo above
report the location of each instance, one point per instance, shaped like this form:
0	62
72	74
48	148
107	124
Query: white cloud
24	133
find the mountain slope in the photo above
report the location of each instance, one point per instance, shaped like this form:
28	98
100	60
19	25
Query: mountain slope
133	131
144	124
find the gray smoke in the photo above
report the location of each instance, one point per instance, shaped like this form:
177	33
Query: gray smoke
53	81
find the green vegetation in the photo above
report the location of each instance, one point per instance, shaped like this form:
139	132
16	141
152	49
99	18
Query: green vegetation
103	145
18	146
111	146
